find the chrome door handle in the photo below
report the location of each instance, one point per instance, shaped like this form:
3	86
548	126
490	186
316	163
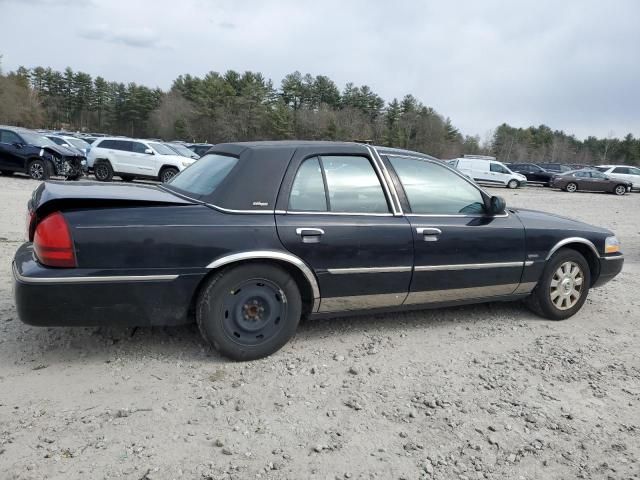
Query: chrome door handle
429	234
310	235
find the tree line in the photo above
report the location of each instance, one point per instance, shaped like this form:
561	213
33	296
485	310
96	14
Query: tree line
233	106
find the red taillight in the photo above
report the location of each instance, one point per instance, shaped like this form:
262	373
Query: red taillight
52	242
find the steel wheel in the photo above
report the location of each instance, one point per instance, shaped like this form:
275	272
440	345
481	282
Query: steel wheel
620	190
36	170
566	285
571	187
254	311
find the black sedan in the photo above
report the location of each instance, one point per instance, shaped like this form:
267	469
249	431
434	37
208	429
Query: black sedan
254	236
535	175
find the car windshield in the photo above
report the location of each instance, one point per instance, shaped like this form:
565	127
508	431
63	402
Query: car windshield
37	140
161	149
182	150
76	142
204	176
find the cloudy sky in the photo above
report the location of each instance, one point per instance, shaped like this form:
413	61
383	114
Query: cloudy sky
572	65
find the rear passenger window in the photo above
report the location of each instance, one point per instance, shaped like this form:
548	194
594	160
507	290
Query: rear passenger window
353	185
307	192
624	170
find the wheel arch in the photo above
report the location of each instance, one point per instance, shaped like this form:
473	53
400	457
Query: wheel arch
586	248
301	273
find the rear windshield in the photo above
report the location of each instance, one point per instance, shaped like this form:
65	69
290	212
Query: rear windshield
204	176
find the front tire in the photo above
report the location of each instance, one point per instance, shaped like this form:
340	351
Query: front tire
620	190
167	174
250	311
513	184
103	171
563	286
571	187
40	170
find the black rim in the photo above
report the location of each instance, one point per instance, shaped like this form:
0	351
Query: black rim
254	311
168	175
101	172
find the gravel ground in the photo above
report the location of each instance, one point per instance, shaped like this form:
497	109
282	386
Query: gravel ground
487	391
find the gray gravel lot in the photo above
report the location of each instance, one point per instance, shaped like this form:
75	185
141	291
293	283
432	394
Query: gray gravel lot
488	391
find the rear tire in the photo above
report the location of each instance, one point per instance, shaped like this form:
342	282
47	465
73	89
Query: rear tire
167	174
620	190
249	311
563	286
40	170
513	184
103	171
571	187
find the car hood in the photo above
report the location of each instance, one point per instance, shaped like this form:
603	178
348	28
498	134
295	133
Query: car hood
60	150
551	221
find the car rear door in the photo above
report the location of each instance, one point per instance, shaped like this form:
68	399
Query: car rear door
461	252
336	214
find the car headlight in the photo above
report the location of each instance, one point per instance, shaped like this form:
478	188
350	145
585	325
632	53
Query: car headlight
611	245
186	163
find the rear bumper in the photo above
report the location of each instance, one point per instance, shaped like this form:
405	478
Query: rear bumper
79	297
610	266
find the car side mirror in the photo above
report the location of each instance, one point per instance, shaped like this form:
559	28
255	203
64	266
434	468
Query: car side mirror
148	151
497	205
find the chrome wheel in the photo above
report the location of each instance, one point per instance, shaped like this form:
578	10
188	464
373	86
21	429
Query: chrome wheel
572	187
36	171
566	285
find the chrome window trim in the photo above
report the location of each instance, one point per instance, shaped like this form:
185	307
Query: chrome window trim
569	240
467	266
100	279
289	212
356	270
386	178
273	255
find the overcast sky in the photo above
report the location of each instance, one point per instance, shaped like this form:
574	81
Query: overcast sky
572	65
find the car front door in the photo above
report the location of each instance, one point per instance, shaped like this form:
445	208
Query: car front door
10	151
144	163
461	252
600	182
499	174
336	215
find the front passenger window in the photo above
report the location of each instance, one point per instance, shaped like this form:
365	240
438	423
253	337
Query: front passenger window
138	147
433	189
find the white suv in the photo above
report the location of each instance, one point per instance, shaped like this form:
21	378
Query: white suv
132	158
622	172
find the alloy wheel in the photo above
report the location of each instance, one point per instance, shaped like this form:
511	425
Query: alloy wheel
620	190
168	175
566	285
571	187
36	171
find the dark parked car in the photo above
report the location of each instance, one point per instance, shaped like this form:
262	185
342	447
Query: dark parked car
555	167
254	236
590	180
534	173
25	151
199	148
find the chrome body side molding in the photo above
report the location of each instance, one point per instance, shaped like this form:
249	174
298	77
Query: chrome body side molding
346	271
361	302
100	279
467	266
435	296
273	255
